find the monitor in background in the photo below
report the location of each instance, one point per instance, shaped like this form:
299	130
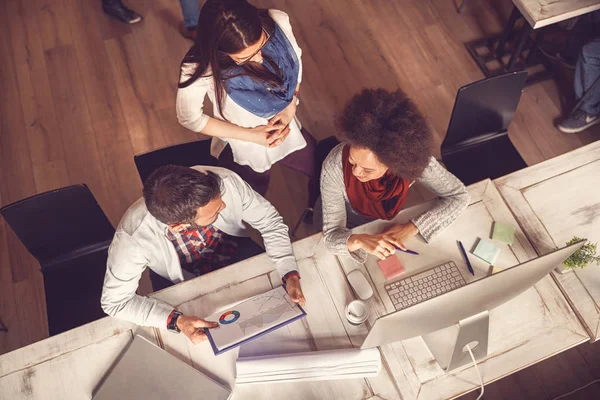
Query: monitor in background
459	317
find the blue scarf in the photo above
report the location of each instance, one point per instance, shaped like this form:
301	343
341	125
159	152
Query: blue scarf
253	96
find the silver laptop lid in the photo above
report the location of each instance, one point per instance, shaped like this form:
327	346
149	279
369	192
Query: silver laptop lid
147	372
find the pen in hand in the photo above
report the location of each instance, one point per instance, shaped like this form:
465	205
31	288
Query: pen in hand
407	251
464	253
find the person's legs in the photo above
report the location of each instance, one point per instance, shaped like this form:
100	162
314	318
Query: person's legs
191	12
257	181
586	74
303	160
116	9
587	90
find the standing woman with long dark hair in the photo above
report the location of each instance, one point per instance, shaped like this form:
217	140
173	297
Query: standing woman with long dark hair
248	62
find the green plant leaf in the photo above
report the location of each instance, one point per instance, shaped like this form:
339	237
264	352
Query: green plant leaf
582	257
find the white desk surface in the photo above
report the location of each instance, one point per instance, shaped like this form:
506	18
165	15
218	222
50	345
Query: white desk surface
540	13
554	201
528	329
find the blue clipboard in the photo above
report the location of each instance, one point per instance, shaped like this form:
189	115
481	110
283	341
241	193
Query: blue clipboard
233	346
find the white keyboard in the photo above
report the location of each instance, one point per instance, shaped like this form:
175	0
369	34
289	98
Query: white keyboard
431	283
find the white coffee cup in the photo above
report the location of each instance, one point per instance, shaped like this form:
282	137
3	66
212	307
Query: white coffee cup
357	312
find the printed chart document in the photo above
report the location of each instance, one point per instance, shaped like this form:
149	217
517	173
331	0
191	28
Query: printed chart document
252	318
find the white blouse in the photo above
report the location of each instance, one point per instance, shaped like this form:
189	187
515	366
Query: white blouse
190	114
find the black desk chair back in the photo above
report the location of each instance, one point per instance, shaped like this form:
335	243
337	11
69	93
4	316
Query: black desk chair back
69	234
477	145
324	147
184	154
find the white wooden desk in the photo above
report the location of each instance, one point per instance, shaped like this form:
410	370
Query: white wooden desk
540	13
69	365
530	328
554	201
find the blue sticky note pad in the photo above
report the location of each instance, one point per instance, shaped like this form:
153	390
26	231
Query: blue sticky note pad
487	251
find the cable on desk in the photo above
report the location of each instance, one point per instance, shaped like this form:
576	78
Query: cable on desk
476	370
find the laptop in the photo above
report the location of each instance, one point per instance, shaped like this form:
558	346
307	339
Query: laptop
147	372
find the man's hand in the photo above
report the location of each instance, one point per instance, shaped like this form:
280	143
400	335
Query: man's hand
192	327
292	285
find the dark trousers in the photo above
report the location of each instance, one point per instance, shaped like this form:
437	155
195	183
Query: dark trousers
246	248
302	161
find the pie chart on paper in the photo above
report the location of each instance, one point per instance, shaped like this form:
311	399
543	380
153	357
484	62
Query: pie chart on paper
229	317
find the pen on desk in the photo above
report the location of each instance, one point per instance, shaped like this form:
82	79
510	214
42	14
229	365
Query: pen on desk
407	251
464	253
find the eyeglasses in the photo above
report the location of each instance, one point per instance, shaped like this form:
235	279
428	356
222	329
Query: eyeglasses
256	52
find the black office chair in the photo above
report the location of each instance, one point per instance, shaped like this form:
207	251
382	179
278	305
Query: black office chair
314	185
68	233
477	145
184	154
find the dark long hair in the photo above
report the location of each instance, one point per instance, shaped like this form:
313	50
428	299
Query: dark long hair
228	27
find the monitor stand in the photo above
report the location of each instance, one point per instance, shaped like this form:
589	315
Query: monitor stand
448	345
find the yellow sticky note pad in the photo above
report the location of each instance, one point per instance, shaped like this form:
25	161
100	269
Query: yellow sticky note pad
496	269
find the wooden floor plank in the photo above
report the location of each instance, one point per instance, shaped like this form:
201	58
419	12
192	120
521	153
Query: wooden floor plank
41	126
51	15
8	305
16	171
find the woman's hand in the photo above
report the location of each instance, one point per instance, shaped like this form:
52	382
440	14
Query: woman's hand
402	233
380	245
268	136
280	137
285	116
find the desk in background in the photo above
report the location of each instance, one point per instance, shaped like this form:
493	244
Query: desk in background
554	201
537	14
540	13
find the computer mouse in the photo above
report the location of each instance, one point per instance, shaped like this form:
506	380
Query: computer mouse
360	284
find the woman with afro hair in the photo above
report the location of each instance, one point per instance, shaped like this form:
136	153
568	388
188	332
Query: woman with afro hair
385	149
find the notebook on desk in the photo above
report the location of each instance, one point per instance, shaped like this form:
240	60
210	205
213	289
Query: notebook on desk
147	372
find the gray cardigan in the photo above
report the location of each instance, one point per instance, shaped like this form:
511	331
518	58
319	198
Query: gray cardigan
140	242
338	215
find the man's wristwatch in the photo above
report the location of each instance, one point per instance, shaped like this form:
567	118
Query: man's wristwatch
172	323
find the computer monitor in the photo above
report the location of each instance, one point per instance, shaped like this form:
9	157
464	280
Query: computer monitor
454	319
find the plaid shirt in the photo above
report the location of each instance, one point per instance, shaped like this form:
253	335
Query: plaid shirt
202	250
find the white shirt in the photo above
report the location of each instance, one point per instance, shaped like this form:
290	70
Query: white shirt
140	242
190	114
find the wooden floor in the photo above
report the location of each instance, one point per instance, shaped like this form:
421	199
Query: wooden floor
81	94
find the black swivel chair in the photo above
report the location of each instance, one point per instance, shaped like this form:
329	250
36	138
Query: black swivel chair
183	154
68	233
314	185
477	145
